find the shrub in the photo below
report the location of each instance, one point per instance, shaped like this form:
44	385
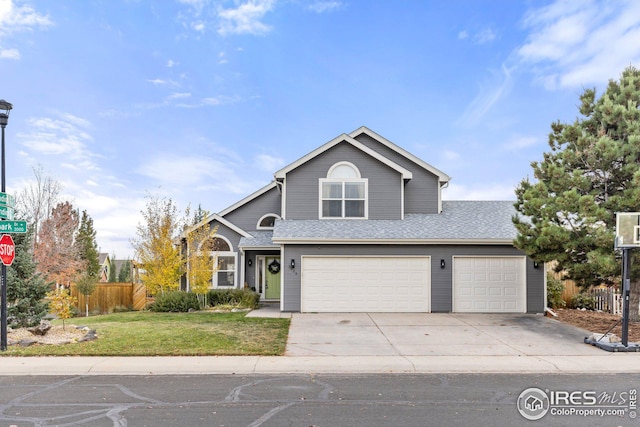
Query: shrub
555	288
583	300
175	302
121	309
243	298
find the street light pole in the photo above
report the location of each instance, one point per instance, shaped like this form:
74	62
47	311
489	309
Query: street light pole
5	107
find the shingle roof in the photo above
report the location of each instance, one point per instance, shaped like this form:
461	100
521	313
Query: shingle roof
259	239
459	220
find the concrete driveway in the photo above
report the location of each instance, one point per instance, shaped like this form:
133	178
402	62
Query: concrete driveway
433	334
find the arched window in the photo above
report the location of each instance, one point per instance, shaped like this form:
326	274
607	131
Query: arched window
343	193
222	261
266	222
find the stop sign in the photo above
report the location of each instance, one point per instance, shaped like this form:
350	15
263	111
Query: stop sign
7	249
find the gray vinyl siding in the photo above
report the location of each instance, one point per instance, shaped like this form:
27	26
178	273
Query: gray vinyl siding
421	193
535	294
441	279
246	216
384	184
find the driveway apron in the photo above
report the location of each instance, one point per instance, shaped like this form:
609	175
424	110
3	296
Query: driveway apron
433	334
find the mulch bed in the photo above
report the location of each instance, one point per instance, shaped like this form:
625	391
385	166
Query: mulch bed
598	322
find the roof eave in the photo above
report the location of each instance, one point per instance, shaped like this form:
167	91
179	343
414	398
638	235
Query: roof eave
324	241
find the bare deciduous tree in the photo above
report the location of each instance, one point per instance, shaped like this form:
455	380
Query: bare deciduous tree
37	199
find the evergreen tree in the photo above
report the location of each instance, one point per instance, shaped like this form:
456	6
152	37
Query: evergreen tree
124	275
591	172
112	268
87	246
26	288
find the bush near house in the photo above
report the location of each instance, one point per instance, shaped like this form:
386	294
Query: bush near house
555	289
582	300
244	298
175	302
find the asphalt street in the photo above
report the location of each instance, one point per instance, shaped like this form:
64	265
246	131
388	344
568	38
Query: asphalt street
301	400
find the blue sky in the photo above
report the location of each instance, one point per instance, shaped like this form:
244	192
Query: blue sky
202	100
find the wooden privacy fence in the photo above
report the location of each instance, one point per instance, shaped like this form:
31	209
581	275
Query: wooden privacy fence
109	296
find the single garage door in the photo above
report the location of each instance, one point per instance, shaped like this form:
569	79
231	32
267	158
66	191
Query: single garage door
361	284
489	284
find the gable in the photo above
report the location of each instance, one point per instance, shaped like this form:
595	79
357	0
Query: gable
385	183
250	210
281	174
423	192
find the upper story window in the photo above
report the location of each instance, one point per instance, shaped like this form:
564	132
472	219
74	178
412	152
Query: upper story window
343	193
267	222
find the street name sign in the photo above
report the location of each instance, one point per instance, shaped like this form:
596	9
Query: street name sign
7	249
7	200
8	226
6	212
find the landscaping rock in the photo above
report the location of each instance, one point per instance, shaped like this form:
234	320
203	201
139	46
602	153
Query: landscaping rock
27	342
41	329
89	336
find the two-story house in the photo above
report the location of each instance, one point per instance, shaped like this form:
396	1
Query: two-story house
359	225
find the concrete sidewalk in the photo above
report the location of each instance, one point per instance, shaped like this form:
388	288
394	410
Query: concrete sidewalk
377	343
242	365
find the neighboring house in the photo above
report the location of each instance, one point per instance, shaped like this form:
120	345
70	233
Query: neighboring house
104	259
359	225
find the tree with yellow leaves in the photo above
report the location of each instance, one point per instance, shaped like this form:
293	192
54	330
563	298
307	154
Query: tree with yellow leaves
160	259
61	303
199	266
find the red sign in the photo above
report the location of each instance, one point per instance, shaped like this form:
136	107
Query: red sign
7	249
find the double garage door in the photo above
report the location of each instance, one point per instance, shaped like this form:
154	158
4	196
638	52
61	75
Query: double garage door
360	284
403	284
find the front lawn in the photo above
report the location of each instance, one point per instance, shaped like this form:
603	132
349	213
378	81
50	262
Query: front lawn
170	334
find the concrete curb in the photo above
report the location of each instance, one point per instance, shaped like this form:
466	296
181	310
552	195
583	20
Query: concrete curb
602	364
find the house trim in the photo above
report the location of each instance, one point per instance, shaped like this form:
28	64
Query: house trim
307	241
247	199
406	174
442	177
259	227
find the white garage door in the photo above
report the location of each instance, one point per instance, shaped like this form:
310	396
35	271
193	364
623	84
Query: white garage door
360	284
489	284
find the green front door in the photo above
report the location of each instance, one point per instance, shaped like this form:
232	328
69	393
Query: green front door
272	277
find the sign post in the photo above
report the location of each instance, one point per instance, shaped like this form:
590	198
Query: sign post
5	108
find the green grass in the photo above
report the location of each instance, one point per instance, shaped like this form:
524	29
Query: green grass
171	334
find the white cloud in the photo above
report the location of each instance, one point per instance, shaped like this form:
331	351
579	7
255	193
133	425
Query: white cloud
171	63
450	155
60	137
245	19
572	44
481	37
485	36
324	6
268	163
188	171
15	19
489	95
520	142
163	82
486	192
9	53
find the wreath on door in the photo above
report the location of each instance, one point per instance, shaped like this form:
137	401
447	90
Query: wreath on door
274	267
